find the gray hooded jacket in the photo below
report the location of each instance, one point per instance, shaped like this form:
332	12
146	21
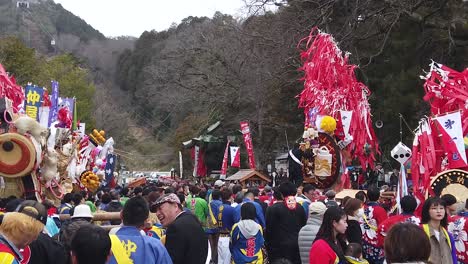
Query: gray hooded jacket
307	236
248	228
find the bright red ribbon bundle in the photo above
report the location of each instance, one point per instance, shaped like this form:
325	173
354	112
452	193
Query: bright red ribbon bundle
330	85
9	89
446	91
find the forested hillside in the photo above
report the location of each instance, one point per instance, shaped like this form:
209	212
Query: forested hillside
167	87
206	69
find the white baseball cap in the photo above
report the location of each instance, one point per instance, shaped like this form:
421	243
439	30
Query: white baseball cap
218	183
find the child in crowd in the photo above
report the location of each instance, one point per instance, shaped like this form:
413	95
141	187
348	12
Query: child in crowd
353	254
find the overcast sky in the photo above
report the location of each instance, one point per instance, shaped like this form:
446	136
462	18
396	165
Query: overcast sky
132	17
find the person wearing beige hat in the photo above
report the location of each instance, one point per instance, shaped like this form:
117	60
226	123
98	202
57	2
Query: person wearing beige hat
309	231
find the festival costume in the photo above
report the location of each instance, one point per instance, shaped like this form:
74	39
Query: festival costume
199	207
247	242
385	226
129	244
260	216
227	219
65	208
214	221
374	215
352	260
9	254
156	231
458	227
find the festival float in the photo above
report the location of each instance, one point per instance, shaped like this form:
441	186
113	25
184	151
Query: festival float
338	124
439	152
44	151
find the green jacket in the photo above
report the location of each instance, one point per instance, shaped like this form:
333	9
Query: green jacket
199	207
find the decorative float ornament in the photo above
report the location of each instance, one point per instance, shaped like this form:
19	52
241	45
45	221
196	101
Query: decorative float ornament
454	182
64	118
97	138
90	180
328	124
401	153
17	155
331	87
321	164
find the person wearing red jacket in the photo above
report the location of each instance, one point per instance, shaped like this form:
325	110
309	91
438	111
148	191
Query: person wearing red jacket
373	216
330	242
408	205
458	226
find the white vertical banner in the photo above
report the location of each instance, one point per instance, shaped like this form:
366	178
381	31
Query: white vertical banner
196	154
235	157
181	168
44	116
450	127
346	117
82	128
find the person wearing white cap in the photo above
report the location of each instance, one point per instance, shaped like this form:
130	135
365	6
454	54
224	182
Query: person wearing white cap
309	231
81	216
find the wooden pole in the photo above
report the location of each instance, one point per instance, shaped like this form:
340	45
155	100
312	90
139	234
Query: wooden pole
107	216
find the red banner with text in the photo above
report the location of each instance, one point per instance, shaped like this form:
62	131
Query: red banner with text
248	142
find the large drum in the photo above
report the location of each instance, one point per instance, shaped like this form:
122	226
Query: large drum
17	155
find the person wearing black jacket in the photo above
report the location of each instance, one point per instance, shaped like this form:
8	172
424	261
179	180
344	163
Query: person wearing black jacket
353	210
186	241
284	220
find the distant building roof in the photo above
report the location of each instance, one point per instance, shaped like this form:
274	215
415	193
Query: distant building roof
243	175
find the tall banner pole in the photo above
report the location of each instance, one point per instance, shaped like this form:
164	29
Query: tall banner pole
225	162
245	129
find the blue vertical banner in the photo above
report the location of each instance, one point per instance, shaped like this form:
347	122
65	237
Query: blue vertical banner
54	102
110	166
33	101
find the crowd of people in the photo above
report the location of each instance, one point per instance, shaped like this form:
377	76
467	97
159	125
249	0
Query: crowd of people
225	223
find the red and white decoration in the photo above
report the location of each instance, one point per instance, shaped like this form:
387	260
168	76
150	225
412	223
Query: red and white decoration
450	128
331	88
245	129
438	144
224	166
235	157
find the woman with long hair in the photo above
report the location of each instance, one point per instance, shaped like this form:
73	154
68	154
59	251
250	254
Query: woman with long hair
434	224
329	245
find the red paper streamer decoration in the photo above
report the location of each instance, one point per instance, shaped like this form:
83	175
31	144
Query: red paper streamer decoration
330	85
10	90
